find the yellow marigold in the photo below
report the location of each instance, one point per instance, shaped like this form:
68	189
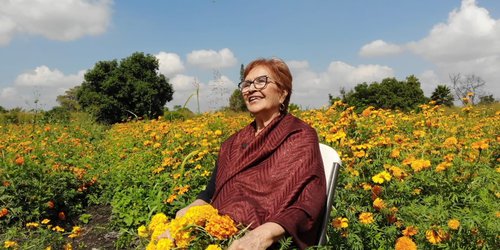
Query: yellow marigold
454	224
420	164
221	227
213	247
45	221
397	172
359	154
340	222
381	177
450	142
378	204
395	153
164	244
159	218
159	229
443	166
405	243
410	231
366	218
32	225
435	236
200	214
142	231
9	244
75	232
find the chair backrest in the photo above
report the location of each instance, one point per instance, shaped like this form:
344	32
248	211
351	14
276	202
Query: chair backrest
332	164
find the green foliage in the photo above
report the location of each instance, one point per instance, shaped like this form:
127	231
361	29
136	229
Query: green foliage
2	110
389	94
69	100
236	101
114	91
487	99
442	96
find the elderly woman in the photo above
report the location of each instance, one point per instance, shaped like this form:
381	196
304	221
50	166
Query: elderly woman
269	175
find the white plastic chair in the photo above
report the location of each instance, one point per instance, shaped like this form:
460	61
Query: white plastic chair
332	164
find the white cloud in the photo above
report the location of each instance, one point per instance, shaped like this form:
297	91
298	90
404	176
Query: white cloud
468	43
42	84
311	89
62	20
211	59
212	95
170	63
379	48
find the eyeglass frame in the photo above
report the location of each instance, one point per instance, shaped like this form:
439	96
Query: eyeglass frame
250	83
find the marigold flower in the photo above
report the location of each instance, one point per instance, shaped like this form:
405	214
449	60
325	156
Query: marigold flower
58	229
45	221
359	154
9	244
435	236
221	227
381	177
4	212
410	231
213	247
61	216
395	153
19	160
454	224
376	191
378	204
405	243
164	244
366	218
32	225
142	231
420	164
340	222
75	232
51	204
159	218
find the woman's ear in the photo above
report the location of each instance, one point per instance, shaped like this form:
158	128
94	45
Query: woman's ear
283	96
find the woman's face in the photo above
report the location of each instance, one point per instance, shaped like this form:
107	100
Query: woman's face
264	102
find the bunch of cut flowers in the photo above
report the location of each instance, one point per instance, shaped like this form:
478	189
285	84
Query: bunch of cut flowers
202	227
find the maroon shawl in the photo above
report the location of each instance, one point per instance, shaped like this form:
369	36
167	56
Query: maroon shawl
276	176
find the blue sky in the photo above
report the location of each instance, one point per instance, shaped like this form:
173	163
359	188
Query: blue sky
47	45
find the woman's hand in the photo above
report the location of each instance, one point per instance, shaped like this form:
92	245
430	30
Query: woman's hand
260	238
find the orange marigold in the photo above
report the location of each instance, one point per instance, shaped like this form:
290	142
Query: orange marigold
366	218
405	243
221	227
454	224
410	231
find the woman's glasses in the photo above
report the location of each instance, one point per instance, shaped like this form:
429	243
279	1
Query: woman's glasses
259	83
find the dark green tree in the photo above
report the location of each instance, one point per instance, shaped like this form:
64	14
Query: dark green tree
487	99
115	91
69	100
389	94
2	110
236	101
442	96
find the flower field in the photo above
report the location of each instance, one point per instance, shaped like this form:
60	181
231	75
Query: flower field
427	179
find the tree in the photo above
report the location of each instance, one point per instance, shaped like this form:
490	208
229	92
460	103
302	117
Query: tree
69	100
113	91
2	110
389	94
487	99
467	88
442	96
236	101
